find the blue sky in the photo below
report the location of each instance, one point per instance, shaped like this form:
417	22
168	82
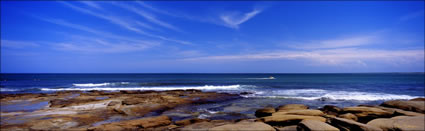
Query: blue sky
211	37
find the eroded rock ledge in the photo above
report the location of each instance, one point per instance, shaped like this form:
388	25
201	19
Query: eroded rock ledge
141	110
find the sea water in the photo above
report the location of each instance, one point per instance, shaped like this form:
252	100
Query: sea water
260	90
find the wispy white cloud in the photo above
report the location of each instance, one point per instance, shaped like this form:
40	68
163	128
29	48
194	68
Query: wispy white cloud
412	15
150	17
231	19
335	43
123	23
329	56
147	6
88	29
91	4
83	44
18	44
234	19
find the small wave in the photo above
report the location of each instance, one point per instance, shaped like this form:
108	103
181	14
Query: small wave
206	87
8	90
266	78
91	84
320	94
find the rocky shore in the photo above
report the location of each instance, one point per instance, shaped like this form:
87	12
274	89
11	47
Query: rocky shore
143	110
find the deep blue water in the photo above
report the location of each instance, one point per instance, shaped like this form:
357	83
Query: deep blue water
312	87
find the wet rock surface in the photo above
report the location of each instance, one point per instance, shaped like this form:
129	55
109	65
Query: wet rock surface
166	110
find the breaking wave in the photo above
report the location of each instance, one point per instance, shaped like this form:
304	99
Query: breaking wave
320	94
91	84
206	87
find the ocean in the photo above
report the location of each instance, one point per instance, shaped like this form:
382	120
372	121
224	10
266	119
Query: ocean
260	90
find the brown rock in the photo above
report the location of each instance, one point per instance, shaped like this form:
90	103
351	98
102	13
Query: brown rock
306	112
288	107
416	106
140	110
286	128
349	125
64	102
331	110
113	103
204	126
265	112
349	116
400	123
285	120
244	126
417	99
148	122
54	123
315	125
398	112
133	101
365	114
189	121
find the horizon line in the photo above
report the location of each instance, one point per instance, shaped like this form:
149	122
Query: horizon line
240	73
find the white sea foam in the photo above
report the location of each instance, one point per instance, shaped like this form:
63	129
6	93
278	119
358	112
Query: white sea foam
206	87
7	90
91	84
320	94
266	78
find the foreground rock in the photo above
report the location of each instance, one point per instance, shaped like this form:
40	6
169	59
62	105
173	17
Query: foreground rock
349	116
365	114
75	110
55	123
135	124
400	112
331	110
189	121
400	123
349	125
204	126
416	105
268	111
314	125
306	112
244	126
289	107
285	120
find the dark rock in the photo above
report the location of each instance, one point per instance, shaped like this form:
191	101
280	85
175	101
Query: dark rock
245	93
331	110
365	114
113	103
265	112
350	125
189	121
286	128
417	99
